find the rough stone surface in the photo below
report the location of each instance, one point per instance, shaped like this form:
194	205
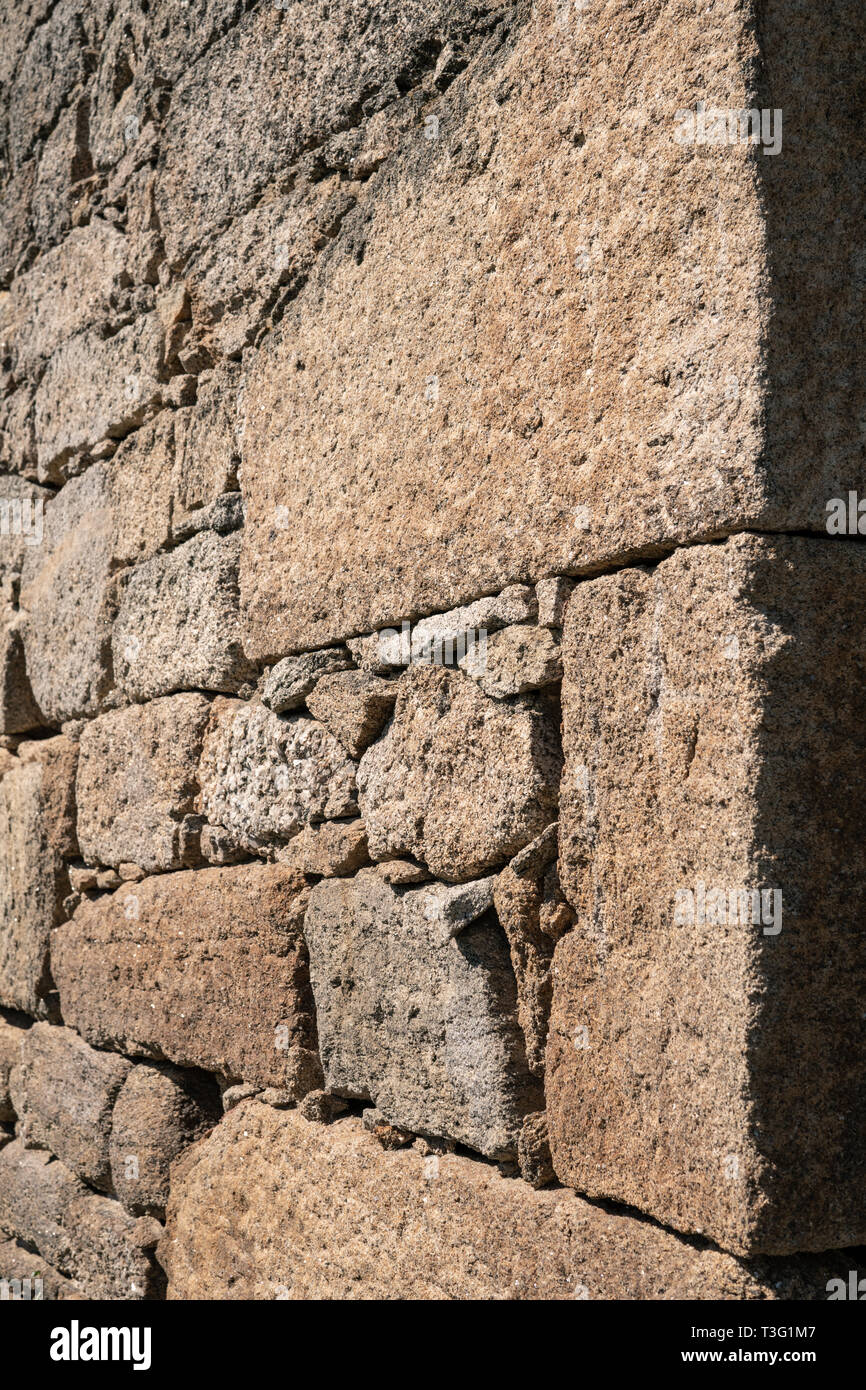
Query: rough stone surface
207	448
88	1238
21	1268
343	346
533	1151
96	389
418	1021
435	638
158	1113
205	968
58	759
332	849
534	915
582	350
177	625
360	1222
354	706
12	1030
66	1092
34	835
514	661
264	777
19	712
68	599
289	682
552	596
458	781
705	1070
137	782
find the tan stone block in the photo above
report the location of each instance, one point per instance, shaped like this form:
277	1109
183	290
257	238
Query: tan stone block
138	779
89	1239
553	288
159	1112
67	599
264	777
205	969
458	780
360	1222
702	1063
65	1095
35	822
178	625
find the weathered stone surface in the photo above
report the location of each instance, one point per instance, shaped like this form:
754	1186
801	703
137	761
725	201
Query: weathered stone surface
96	389
65	292
417	1020
355	707
552	596
514	661
402	871
19	712
333	849
205	969
534	915
701	1064
67	1091
265	776
207	447
34	834
141	491
177	625
458	780
485	416
22	528
159	1112
217	846
90	1239
67	597
12	1030
224	142
289	682
137	782
533	1151
21	1269
58	759
359	1222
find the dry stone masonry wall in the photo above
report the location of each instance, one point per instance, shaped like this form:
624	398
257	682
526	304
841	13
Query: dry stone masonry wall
431	688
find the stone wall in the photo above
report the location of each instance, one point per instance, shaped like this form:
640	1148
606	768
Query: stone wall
431	683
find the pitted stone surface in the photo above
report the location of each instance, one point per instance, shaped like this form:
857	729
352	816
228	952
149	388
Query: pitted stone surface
158	1113
177	625
289	682
416	1019
700	1061
514	661
206	968
68	599
88	1238
458	780
359	1221
264	777
65	1094
138	780
354	706
37	832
